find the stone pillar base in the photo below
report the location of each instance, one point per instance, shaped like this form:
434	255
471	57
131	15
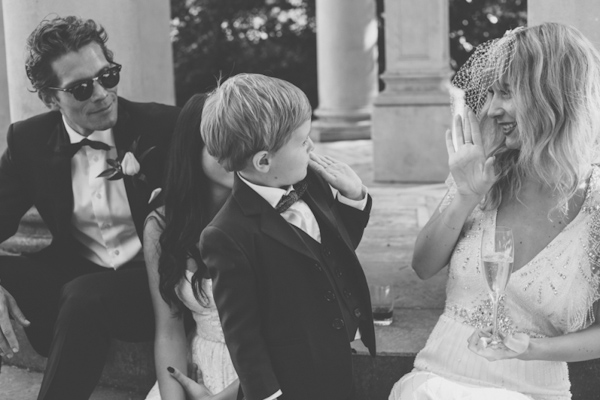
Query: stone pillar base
409	124
324	130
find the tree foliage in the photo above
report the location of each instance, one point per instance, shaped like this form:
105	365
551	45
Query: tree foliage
215	39
475	21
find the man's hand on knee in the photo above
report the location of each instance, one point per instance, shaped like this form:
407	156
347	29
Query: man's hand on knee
8	308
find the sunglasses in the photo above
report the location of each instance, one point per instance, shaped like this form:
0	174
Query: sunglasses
82	91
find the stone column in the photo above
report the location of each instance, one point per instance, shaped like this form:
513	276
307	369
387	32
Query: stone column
582	14
347	68
413	112
138	32
4	104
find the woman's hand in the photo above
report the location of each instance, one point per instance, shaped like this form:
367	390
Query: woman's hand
512	346
339	175
193	390
473	173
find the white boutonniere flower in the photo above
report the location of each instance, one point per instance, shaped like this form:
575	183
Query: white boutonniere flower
129	165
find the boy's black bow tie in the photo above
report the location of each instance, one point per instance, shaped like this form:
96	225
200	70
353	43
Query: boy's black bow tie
71	149
288	199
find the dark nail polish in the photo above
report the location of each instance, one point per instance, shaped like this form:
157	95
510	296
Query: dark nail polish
170	369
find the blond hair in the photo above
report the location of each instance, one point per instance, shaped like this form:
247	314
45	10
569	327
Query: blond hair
249	113
554	78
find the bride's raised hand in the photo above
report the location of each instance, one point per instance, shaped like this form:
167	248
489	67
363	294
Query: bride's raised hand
472	171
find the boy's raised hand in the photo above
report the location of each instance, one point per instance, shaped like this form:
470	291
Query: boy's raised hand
339	175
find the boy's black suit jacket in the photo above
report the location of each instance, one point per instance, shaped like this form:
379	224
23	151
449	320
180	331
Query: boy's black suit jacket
34	172
270	293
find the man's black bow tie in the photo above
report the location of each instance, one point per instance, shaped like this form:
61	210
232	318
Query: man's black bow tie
71	149
288	199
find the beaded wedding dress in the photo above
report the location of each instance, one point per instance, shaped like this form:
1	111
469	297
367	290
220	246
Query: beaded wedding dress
207	345
551	295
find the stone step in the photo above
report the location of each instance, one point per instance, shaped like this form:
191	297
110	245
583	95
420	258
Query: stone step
130	366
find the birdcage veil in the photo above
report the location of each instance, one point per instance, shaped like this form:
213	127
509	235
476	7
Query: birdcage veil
487	64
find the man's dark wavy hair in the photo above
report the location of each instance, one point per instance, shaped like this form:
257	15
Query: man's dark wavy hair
54	38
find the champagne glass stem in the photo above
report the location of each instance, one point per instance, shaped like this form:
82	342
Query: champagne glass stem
495	336
495	331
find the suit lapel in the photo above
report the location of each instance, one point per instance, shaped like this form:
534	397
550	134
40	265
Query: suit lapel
125	133
272	223
59	179
322	211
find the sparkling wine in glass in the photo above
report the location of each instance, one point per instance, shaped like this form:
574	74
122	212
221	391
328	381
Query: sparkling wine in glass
497	254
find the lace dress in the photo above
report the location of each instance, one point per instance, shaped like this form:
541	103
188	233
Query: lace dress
207	345
551	295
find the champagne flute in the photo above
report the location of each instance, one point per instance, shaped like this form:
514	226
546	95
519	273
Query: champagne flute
497	255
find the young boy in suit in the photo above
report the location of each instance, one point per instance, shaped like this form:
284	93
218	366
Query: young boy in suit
289	288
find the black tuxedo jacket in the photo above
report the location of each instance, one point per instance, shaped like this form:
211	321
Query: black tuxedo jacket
34	172
269	289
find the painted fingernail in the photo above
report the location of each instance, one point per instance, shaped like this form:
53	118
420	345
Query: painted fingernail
171	370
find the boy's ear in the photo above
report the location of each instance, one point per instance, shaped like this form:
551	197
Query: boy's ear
261	161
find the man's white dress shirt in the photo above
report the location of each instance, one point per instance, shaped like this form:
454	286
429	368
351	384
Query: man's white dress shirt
101	219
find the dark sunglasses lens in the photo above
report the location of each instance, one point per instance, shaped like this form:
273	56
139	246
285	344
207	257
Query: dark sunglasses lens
83	91
110	78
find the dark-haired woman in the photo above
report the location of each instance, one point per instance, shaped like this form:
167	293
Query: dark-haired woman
195	188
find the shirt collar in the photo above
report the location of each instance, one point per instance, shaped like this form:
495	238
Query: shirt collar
271	194
105	136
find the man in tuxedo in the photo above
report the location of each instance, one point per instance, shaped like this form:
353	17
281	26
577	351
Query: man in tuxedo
89	285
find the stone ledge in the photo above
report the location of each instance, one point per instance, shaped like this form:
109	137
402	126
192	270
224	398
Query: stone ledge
131	365
32	235
406	335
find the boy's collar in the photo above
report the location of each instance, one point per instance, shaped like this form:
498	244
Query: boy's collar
271	194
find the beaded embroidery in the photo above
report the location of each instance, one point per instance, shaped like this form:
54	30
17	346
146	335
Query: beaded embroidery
553	294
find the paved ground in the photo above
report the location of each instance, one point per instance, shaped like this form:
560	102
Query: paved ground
399	211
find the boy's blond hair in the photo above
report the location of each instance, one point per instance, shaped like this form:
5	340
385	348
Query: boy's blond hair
249	113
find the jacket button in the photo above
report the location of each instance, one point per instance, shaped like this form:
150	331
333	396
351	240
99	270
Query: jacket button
326	251
347	293
338	273
318	267
329	296
357	312
337	324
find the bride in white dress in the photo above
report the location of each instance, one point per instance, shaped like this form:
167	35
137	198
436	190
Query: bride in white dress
195	188
535	93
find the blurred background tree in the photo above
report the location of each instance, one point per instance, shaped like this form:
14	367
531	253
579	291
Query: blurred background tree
215	39
475	21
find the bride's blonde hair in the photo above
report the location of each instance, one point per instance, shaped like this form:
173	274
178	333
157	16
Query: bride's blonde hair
554	78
